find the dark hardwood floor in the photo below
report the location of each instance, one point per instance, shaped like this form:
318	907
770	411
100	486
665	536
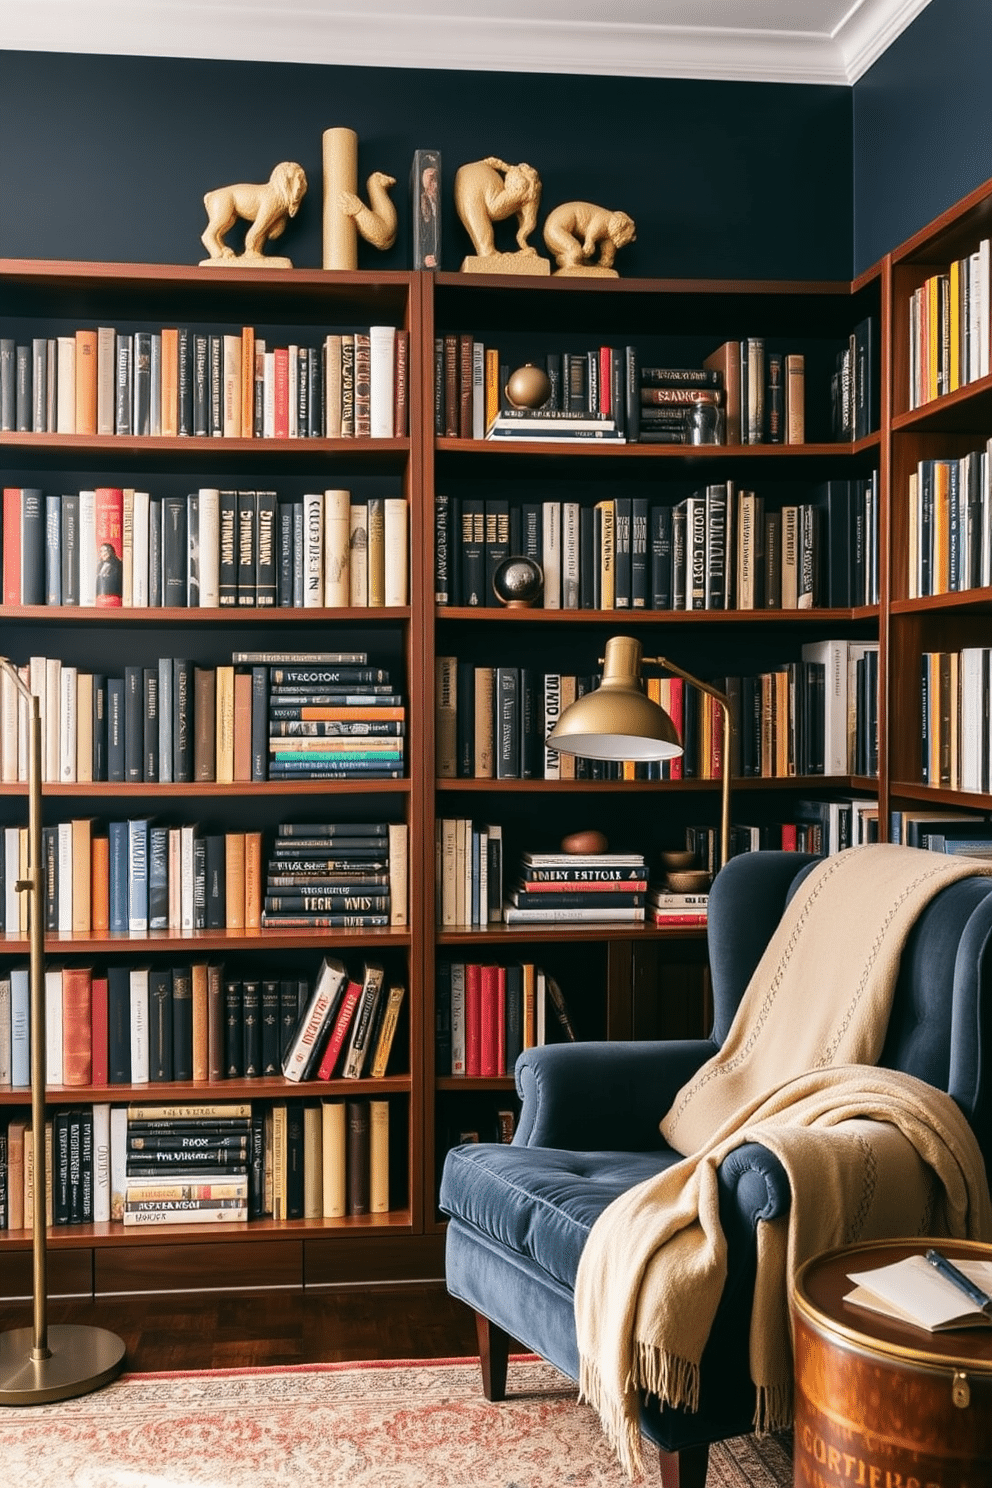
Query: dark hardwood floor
226	1331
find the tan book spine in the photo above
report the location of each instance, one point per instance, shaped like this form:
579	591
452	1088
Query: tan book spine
242	726
333	1159
795	398
82	869
485	681
170	382
215	1022
254	880
15	1175
398	873
387	1031
205	723
224	704
337	552
106	371
313	1163
790	557
377	553
86	382
607	554
234	879
175	878
363	385
567	767
379	1157
247	382
231	373
77	1044
397	560
189	1111
446	716
358	544
201	1065
333	387
65	395
279	1160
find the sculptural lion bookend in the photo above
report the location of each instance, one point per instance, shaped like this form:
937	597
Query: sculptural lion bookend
267	207
490	191
573	231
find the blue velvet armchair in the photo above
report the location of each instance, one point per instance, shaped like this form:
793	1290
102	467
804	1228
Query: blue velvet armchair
519	1215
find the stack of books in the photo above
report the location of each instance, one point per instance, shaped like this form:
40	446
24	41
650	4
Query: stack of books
187	1164
562	887
334	875
330	718
670	910
669	395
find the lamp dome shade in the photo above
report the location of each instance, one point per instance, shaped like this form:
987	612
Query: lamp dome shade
617	721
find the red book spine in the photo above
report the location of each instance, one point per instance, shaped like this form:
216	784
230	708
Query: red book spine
281	392
663	920
473	1018
501	1021
349	1002
489	1039
789	835
605	380
12	545
77	1033
99	1032
676	714
109	513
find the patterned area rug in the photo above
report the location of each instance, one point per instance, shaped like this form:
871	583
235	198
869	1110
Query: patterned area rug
391	1425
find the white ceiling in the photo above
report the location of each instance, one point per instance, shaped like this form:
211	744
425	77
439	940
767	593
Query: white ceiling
783	41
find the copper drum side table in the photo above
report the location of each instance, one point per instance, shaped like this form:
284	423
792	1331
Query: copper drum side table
879	1403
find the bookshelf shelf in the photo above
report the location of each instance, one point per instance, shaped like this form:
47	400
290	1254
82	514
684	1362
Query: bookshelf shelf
212	789
478	615
199	1091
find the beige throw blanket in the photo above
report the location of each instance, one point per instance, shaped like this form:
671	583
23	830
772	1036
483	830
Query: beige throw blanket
869	1153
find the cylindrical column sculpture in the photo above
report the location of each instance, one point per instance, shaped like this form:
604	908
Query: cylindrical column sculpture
340	174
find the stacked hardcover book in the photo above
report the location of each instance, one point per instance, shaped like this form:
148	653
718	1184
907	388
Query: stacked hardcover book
670	910
562	887
187	1164
331	716
333	875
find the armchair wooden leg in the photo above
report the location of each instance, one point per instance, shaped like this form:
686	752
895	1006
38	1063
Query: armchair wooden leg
494	1350
685	1469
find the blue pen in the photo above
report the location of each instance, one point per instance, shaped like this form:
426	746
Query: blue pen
950	1272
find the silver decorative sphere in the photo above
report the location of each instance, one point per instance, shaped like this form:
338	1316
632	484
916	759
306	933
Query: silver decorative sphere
518	581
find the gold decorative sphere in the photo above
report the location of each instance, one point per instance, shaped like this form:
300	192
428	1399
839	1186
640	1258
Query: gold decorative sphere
528	387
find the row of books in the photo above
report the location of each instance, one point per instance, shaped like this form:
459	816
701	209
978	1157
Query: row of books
145	875
131	1024
552	888
486	1014
181	381
176	721
942	829
288	1159
720	548
950	524
854	385
948	318
764	393
816	826
115	546
955	694
468	869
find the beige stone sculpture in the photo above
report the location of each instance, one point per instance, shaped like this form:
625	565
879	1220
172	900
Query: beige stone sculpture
573	231
490	191
376	222
267	206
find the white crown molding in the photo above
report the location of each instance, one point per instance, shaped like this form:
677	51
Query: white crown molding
257	30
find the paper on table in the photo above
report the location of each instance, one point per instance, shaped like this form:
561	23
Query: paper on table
912	1291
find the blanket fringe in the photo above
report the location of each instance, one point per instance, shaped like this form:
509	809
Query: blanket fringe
618	1418
772	1408
674	1380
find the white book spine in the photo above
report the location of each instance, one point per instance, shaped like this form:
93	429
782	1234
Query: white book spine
397	585
155	411
101	1163
313	550
9	718
87	549
67	723
118	1159
833	655
551	554
20	1028
53	1025
188	874
139	1025
139	551
358	542
209	547
337	553
65	402
11	898
50	734
478	390
382	358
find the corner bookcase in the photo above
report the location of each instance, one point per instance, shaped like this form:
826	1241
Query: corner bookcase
621	981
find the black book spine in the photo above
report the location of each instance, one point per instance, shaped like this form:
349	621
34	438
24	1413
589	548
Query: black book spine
442	548
158	878
507	702
115	729
473	551
60	1167
150	731
119	1025
639	575
233	1031
182	1023
251	1016
216	904
265	548
184	381
160	1024
285	557
289	1016
215	376
201	385
228	548
294	1159
246	550
588	558
661	557
134	724
174	552
142	379
75	1167
124	387
70	549
23	380
32	546
182	720
8	384
270	1009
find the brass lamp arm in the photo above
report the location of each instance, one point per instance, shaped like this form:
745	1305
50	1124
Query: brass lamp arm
724	702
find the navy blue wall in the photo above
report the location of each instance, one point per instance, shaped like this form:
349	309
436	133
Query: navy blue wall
922	125
113	155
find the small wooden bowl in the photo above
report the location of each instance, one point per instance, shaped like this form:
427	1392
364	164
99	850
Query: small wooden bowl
678	858
688	881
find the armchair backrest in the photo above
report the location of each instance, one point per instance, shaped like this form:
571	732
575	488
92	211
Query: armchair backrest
942	1009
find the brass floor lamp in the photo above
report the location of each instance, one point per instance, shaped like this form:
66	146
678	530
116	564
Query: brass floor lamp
42	1364
619	722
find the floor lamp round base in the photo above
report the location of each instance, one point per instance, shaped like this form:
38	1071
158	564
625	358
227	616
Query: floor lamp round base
82	1359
